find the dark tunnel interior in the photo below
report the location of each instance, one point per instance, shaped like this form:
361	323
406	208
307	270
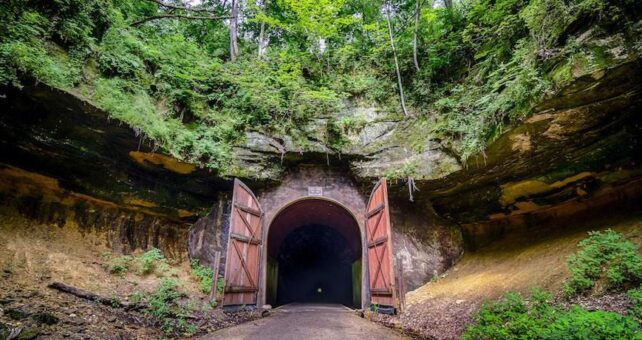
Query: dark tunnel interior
315	266
314	255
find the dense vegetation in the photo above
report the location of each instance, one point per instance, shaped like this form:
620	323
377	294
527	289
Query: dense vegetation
607	258
167	305
479	65
604	257
513	317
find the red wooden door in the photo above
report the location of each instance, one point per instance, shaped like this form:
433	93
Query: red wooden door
243	248
379	240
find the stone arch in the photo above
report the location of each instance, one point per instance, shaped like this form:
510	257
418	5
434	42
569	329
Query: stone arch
313	253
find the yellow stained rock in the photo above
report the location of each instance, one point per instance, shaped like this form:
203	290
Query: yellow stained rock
140	202
167	162
185	213
513	191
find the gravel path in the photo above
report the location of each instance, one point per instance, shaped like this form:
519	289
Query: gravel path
308	321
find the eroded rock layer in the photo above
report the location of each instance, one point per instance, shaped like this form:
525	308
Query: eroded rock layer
578	153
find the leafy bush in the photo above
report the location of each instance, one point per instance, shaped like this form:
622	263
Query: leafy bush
152	260
163	304
512	317
484	64
120	264
204	275
604	256
636	298
579	323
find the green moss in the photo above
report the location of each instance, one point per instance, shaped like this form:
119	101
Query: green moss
408	169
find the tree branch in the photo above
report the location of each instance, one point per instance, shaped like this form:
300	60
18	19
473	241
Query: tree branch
83	294
180	16
160	3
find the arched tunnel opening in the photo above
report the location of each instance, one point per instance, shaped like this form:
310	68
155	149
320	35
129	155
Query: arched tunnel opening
314	255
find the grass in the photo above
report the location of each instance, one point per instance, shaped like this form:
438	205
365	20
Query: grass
152	261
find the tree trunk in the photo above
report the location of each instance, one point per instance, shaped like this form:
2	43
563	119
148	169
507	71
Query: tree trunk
414	38
262	42
394	53
448	3
234	48
83	294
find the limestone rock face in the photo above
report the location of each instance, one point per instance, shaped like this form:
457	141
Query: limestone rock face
579	149
373	144
208	235
56	134
578	145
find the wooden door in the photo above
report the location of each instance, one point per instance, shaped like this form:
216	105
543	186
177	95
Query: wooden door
379	240
243	248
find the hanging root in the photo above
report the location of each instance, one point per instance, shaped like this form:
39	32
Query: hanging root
411	188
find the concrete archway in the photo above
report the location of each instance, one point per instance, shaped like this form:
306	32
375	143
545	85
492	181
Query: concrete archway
313	254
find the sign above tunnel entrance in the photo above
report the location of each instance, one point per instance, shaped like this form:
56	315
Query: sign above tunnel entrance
315	191
249	248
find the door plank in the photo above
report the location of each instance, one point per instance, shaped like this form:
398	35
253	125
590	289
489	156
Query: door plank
242	262
381	273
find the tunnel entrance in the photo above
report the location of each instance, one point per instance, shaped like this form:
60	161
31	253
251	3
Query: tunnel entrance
314	255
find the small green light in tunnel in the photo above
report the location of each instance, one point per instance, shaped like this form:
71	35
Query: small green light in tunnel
319	290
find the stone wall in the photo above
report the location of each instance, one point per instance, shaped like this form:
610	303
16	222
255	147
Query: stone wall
119	228
426	244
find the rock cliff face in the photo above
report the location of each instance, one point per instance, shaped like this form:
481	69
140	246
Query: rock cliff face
578	155
581	149
62	161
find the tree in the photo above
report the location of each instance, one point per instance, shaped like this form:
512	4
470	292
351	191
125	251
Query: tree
234	48
394	53
414	37
263	39
180	12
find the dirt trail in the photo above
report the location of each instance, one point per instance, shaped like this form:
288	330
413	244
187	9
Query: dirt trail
33	255
517	264
441	309
308	321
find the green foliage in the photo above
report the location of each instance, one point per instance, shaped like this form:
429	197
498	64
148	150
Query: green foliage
120	264
408	169
163	304
220	286
512	317
606	257
549	20
152	260
160	301
636	303
136	297
484	64
204	275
